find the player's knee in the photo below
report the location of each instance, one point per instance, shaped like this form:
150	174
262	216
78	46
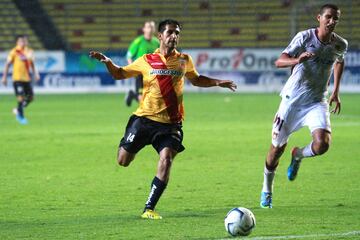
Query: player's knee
124	160
321	147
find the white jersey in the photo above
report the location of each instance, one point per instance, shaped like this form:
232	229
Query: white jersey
309	80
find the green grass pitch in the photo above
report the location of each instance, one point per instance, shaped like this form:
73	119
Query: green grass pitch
59	178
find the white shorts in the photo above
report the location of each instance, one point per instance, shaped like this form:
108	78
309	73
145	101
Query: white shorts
291	118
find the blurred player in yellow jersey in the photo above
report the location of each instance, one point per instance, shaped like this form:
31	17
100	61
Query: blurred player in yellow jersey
22	59
158	119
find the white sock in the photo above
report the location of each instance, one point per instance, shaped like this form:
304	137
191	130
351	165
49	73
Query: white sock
307	151
268	180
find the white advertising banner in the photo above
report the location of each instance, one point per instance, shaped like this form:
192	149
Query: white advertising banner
244	60
252	69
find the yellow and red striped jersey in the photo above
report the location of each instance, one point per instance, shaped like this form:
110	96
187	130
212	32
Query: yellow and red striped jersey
21	58
163	80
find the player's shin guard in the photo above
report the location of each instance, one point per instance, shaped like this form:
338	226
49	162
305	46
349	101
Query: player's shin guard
156	190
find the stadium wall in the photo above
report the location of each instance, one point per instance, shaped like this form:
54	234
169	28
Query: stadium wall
252	69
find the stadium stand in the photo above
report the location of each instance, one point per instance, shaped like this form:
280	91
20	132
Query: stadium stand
12	24
206	23
41	24
112	24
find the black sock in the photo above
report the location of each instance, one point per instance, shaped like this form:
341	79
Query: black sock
157	188
20	109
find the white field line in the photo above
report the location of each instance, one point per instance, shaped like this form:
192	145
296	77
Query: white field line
313	236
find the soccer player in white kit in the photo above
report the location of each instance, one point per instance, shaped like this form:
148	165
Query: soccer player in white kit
312	54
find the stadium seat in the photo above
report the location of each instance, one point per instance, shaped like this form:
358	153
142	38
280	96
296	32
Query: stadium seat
113	24
13	24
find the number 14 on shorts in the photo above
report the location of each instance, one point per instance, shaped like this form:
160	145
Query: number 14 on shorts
130	137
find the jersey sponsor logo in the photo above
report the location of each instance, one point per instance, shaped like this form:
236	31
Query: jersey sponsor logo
166	72
156	64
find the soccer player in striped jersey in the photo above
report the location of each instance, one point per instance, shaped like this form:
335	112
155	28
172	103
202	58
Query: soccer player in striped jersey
146	43
22	59
157	121
313	55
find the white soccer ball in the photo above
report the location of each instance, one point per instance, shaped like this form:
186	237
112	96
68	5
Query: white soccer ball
239	222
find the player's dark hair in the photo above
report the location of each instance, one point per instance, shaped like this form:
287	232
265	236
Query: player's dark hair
328	5
163	23
20	36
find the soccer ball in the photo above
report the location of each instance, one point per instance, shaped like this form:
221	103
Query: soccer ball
239	222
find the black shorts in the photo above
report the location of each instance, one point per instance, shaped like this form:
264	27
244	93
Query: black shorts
23	89
141	131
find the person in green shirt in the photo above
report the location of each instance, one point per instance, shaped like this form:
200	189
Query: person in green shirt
144	44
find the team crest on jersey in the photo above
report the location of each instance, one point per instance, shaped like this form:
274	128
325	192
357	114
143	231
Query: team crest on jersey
275	135
182	63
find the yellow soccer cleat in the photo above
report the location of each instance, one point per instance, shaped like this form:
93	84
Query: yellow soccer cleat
151	214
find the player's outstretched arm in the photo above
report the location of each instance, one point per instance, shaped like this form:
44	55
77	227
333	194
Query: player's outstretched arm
113	69
285	60
204	81
338	71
